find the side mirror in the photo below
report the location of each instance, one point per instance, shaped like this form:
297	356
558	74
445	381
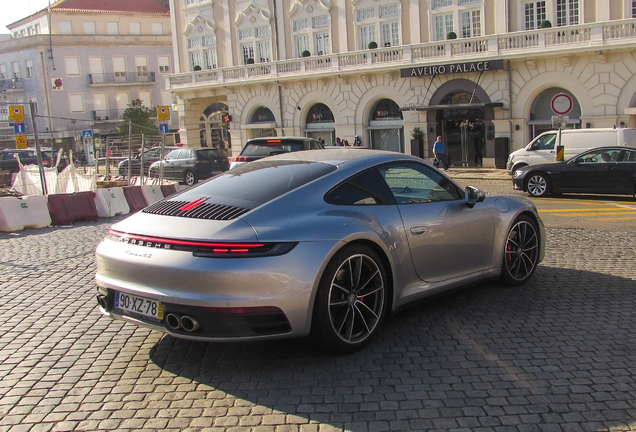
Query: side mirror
474	196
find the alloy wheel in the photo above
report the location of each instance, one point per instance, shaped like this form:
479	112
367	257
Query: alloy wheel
537	185
522	250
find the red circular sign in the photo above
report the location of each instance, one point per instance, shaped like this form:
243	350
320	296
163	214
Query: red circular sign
561	103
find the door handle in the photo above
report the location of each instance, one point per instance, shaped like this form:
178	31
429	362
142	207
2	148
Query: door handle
418	230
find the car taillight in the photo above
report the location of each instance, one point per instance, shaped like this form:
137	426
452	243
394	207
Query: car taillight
204	249
239	159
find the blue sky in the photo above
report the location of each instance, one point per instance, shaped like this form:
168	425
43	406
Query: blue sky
14	10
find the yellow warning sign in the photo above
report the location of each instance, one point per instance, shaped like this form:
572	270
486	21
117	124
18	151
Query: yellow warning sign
20	141
560	153
16	113
163	113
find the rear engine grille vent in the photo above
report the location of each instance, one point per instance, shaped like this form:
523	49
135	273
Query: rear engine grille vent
202	211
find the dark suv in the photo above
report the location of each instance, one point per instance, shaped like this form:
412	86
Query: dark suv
9	163
151	156
189	165
258	148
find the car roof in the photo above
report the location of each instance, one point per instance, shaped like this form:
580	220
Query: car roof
344	155
285	138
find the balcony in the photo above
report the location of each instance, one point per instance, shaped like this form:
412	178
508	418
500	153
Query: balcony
517	45
108	115
11	84
121	78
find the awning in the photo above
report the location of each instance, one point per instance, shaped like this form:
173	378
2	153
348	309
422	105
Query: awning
454	106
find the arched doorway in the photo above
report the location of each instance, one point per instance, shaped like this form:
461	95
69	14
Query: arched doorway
385	126
320	123
263	123
463	128
212	130
541	112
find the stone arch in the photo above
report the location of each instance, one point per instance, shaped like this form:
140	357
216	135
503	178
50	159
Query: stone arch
255	103
368	100
627	96
527	94
310	99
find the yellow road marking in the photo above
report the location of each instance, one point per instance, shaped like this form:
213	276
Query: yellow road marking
609	213
615	219
586	210
596	203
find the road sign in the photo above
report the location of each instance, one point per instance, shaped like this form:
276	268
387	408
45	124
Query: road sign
19	128
561	103
20	141
163	127
87	134
163	113
16	113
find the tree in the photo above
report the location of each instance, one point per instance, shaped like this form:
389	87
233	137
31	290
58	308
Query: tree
140	116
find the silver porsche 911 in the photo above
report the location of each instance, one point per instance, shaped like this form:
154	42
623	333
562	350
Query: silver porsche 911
321	243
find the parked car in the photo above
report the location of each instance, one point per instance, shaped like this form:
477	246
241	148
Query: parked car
189	165
258	148
149	157
9	163
323	243
603	170
542	149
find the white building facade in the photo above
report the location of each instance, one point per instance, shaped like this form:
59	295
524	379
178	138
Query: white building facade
480	73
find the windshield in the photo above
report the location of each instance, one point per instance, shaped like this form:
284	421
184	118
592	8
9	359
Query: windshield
264	148
261	181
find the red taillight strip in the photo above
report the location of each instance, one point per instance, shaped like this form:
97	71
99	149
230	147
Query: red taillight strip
233	246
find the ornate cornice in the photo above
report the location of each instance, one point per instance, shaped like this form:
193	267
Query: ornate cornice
252	9
197	22
325	4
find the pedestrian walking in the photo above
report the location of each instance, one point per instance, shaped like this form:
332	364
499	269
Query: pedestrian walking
439	151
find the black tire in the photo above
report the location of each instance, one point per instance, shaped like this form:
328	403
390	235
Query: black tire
521	252
538	185
351	301
189	178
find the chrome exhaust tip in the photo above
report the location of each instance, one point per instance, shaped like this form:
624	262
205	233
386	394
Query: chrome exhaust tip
189	324
101	300
173	321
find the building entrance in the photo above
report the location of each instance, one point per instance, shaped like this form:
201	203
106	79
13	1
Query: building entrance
463	129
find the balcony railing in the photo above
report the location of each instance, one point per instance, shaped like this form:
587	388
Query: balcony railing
110	114
11	84
596	36
121	78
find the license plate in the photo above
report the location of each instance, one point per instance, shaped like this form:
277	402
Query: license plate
216	172
137	306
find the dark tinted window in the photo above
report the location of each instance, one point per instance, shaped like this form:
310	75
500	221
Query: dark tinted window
262	181
368	188
209	154
264	148
413	183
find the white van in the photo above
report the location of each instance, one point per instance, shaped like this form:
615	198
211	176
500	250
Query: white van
542	148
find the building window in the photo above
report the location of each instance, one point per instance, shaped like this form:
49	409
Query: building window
89	27
164	64
567	12
15	66
195	60
141	65
442	3
65	27
365	14
76	102
633	8
3	72
157	28
262	32
323	21
29	68
194	42
534	14
189	2
322	43
134	28
300	25
245	34
390	34
112	28
366	34
443	25
389	11
248	52
202	49
34	103
461	2
471	23
209	57
208	40
72	65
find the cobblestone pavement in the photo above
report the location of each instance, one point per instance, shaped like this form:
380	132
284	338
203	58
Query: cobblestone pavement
557	354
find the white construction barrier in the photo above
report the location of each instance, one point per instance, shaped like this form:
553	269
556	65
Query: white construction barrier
71	180
152	193
25	212
111	202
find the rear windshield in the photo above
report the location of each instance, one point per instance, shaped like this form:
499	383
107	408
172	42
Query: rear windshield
264	148
209	154
259	182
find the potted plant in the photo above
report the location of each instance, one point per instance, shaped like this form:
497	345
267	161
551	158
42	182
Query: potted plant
249	61
545	24
197	68
417	147
306	53
451	35
373	45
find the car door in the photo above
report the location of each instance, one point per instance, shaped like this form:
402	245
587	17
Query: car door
184	162
169	163
447	239
626	171
591	172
